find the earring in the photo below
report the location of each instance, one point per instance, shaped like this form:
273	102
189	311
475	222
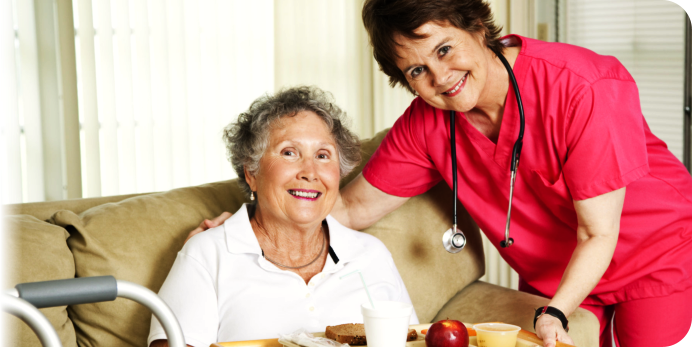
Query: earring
252	196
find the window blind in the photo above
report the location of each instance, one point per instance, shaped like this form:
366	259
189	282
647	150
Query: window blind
158	80
647	36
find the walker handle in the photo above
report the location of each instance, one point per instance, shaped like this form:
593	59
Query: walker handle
73	291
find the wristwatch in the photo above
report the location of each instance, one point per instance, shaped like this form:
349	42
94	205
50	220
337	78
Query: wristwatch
549	310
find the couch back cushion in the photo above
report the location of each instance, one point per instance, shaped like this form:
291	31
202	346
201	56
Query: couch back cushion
137	240
37	251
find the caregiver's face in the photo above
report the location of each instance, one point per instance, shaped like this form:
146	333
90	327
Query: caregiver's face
298	177
448	68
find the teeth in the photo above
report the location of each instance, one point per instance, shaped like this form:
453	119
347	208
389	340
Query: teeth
458	86
303	194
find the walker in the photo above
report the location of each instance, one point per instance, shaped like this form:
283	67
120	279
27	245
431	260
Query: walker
26	298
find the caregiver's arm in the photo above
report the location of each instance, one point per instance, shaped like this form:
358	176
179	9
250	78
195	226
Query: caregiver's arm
597	235
360	204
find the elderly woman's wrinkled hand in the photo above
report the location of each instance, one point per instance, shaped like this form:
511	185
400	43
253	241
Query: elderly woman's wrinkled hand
208	224
549	329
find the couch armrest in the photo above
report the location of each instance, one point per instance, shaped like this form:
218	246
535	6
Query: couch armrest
485	302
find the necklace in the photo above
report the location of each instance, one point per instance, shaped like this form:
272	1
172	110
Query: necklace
324	242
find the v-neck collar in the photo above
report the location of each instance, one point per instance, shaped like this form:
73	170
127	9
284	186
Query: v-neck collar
502	151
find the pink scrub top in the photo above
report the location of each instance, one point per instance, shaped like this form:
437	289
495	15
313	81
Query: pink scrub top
585	136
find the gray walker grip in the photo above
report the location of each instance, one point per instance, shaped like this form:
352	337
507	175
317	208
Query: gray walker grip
72	291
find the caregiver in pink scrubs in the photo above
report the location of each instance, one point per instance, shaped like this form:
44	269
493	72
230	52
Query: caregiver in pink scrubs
602	211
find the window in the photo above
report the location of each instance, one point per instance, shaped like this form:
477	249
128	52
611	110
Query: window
119	97
648	37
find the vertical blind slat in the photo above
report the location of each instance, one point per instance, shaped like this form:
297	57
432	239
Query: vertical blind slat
175	31
193	77
142	97
10	154
228	101
52	118
30	101
163	167
209	55
87	98
105	91
123	97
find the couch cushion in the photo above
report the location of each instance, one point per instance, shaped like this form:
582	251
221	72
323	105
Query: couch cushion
37	251
413	234
136	240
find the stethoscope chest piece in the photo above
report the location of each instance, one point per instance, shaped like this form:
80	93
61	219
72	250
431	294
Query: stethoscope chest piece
453	240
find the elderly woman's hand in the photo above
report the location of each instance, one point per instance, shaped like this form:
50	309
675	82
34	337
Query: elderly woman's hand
549	329
208	224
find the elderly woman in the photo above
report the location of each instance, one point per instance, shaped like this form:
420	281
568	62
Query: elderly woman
274	267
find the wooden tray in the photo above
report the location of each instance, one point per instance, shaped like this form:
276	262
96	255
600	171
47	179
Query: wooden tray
525	339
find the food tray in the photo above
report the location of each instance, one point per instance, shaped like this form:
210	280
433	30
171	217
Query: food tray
525	339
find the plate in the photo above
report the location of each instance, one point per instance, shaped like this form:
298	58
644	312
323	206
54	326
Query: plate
420	342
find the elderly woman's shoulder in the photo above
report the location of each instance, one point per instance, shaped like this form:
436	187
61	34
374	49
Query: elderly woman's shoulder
205	241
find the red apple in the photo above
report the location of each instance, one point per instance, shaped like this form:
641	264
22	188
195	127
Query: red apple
447	333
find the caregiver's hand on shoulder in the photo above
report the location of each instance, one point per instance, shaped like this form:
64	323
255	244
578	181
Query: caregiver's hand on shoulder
208	224
549	329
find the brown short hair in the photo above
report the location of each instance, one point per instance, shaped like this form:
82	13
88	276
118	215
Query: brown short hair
385	18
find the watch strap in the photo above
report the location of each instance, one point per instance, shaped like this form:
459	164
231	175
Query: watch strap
552	311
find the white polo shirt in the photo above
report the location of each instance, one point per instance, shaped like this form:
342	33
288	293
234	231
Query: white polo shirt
221	288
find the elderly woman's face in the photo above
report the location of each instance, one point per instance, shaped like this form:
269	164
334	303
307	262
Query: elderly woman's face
448	68
298	177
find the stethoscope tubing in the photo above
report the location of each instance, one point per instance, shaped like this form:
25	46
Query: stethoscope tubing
516	152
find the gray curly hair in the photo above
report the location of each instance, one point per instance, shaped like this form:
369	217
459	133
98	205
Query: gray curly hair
247	138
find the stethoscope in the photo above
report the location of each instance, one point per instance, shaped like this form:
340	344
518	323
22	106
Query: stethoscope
454	239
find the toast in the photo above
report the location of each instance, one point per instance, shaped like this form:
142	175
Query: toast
354	334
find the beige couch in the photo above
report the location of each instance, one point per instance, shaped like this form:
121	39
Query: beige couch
136	238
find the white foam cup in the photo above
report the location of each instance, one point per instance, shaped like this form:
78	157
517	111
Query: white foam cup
387	324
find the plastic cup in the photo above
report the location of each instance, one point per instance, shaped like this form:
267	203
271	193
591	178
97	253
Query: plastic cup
496	334
387	324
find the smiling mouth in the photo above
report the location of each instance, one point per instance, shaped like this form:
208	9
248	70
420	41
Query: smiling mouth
305	194
457	86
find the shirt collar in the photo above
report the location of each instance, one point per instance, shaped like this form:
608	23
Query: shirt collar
240	238
239	235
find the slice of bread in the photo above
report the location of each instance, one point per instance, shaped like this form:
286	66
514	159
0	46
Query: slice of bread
354	334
